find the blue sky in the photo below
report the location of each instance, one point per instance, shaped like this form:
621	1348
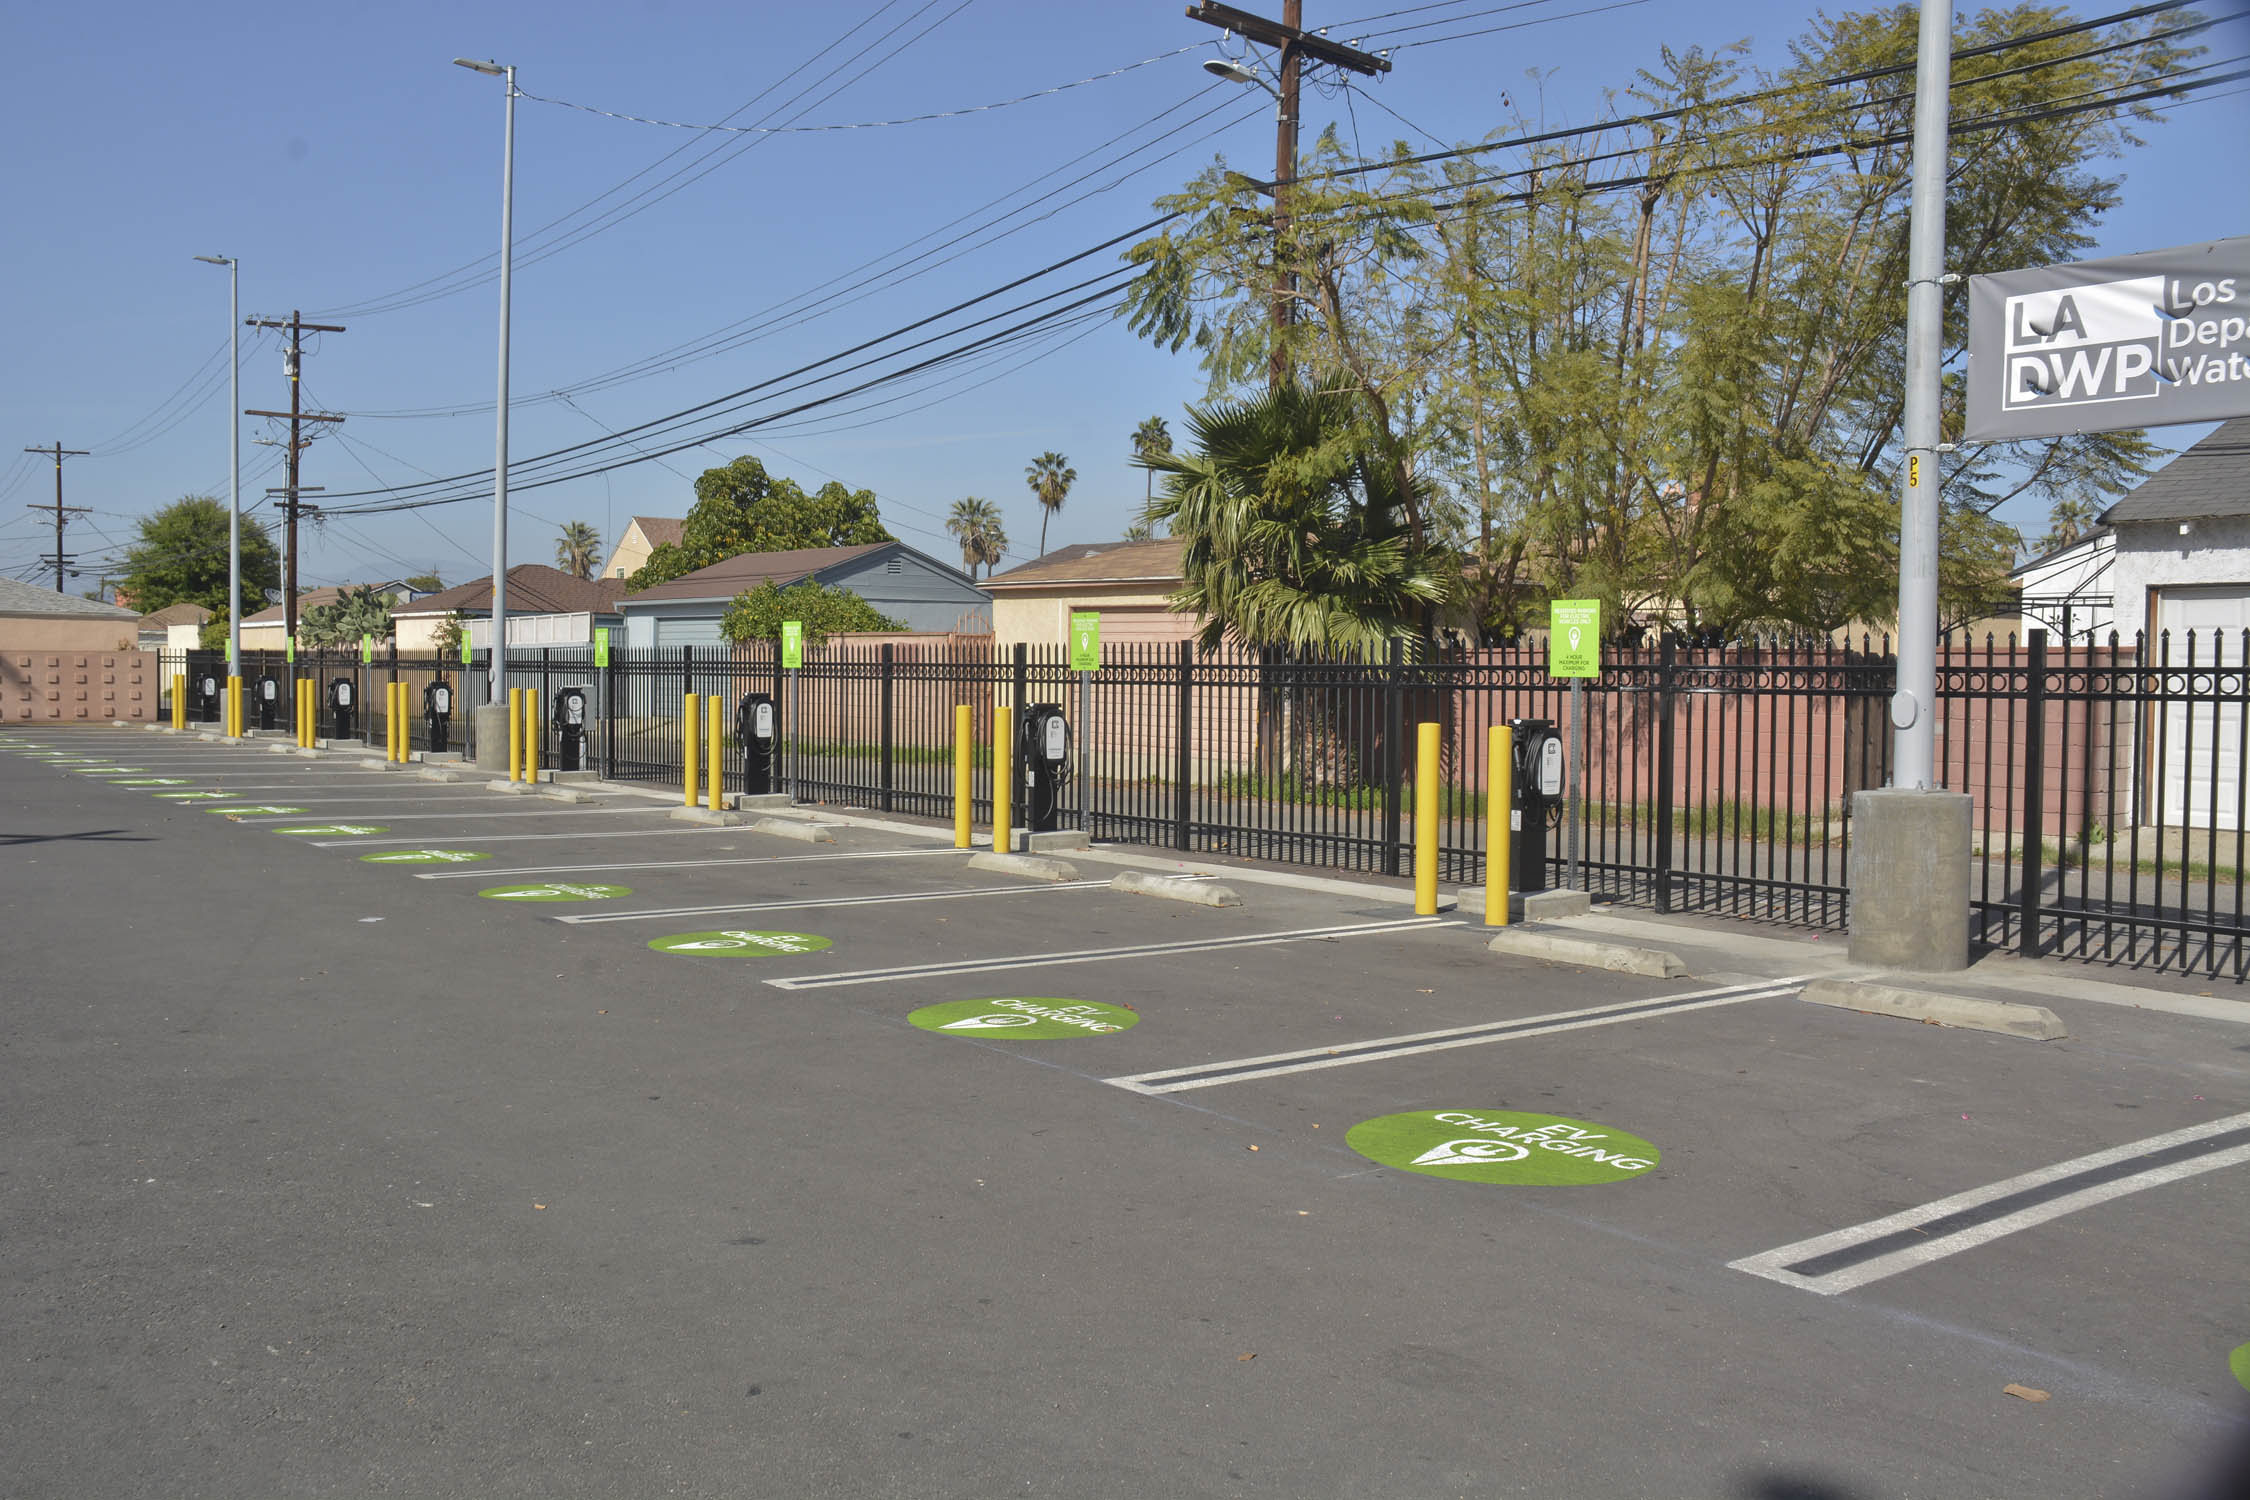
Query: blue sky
340	156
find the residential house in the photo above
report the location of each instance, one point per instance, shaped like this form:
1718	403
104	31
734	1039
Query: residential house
643	535
173	630
268	629
546	607
1130	583
67	659
2066	591
910	586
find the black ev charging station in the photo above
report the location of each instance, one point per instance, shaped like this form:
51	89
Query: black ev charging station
1537	801
207	697
1043	746
757	729
340	698
269	696
568	716
437	712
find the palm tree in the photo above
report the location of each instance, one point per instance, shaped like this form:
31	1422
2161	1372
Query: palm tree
975	524
1151	439
1050	477
578	550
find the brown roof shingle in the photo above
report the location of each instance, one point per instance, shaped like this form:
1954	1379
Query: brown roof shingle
657	530
533	589
1122	562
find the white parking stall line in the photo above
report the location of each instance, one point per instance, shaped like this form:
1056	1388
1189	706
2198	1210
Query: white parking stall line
1849	1258
1309	1059
1106	955
274	793
485	873
811	902
518	838
558	812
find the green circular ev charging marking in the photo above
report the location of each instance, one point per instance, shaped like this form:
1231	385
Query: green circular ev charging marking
254	810
422	857
737	944
555	890
349	828
1502	1146
186	796
2239	1363
1023	1018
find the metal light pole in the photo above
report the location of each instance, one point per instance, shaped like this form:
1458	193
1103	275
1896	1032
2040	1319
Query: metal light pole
1914	705
234	441
498	675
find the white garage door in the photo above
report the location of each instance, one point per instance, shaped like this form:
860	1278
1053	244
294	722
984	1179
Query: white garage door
676	633
2202	738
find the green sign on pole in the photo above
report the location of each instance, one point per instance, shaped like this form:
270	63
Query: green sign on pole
792	643
367	650
1085	640
601	647
1574	638
292	643
467	651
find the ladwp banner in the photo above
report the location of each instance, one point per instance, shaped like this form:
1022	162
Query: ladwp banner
2139	341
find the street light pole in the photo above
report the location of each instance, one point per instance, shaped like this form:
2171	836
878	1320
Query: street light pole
498	672
234	444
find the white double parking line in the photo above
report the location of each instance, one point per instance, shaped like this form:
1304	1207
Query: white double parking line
486	873
1106	955
808	903
1848	1258
1242	1069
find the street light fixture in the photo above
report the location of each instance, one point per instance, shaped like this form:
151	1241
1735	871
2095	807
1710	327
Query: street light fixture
234	439
1234	72
497	679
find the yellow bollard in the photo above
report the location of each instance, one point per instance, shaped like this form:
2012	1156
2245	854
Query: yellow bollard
531	735
234	705
1499	842
1003	780
964	774
397	716
179	700
714	759
308	713
1425	819
691	716
515	734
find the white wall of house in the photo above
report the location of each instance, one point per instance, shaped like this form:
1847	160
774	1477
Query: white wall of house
2153	554
2076	573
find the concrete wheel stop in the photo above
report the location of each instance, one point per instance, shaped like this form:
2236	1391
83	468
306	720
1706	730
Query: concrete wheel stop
2001	1017
1174	888
1031	866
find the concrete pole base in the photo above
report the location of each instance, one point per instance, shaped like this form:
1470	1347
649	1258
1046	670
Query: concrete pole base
488	732
1910	880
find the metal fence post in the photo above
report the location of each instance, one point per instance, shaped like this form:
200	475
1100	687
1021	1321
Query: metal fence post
1182	767
2034	797
1394	756
1019	687
889	683
1664	751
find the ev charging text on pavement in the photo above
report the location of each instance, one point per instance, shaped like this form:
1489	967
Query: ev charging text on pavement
737	944
555	890
321	828
255	810
1502	1147
1024	1018
422	857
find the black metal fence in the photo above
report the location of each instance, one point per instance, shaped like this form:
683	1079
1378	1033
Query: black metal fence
2108	781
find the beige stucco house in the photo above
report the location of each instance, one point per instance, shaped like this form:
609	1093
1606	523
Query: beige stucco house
1129	583
643	535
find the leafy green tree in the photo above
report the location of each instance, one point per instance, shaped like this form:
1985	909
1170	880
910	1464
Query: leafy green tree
424	583
976	525
181	558
1297	537
450	633
756	615
578	549
740	508
1141	531
359	610
2069	519
1150	439
1050	477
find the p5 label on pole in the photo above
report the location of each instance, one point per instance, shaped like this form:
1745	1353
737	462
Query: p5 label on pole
792	643
1574	638
1086	640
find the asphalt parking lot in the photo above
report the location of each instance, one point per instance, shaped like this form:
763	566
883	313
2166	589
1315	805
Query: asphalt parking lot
380	1135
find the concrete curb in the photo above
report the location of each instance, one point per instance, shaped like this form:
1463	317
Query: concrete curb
705	816
1063	839
2002	1017
789	828
1538	906
1617	958
510	788
1032	866
562	794
1172	888
439	776
761	801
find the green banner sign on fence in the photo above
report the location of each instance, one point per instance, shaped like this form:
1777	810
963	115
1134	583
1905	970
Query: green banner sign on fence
601	647
1086	640
1574	638
792	643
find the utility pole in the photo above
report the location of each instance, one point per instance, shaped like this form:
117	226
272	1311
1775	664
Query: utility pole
58	452
1295	44
297	415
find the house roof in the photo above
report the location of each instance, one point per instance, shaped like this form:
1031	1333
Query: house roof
533	589
273	614
2100	536
177	614
2211	478
1114	562
17	598
657	530
749	570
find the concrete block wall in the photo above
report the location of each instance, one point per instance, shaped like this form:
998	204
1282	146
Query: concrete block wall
78	686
